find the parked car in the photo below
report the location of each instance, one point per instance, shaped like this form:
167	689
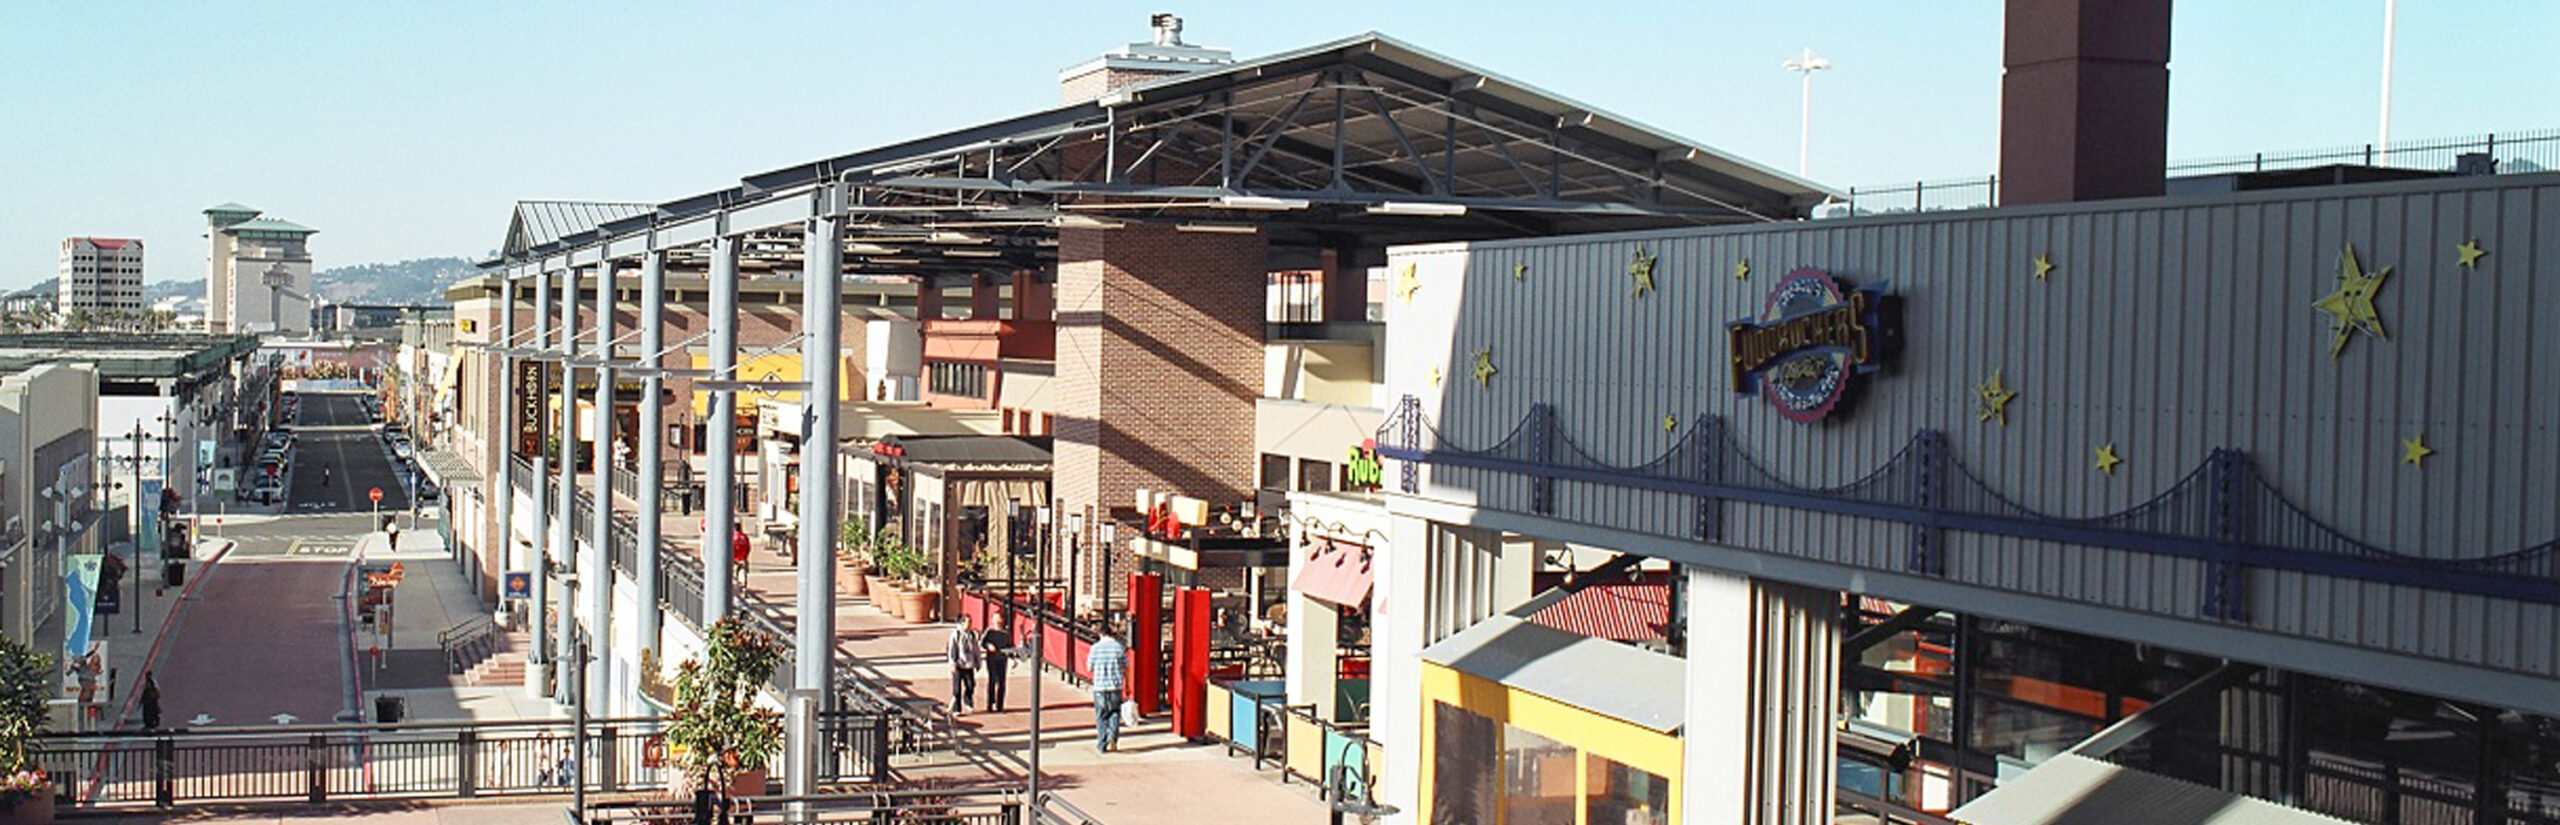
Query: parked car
427	492
277	440
267	490
400	448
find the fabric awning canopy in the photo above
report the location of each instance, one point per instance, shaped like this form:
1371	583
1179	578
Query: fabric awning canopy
1336	572
2076	790
1616	611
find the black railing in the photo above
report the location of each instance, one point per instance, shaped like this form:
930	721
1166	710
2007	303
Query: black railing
2527	151
969	805
406	761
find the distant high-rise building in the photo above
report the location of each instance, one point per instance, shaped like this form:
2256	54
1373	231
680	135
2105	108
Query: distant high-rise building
259	273
99	274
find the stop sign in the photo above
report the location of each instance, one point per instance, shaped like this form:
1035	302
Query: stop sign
376	494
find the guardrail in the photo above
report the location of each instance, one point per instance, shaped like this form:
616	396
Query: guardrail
970	805
1293	738
466	643
324	763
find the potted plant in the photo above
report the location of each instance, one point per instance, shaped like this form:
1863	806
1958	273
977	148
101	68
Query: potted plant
896	562
919	602
26	682
854	542
718	735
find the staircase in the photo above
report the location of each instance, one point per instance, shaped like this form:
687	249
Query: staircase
504	668
483	654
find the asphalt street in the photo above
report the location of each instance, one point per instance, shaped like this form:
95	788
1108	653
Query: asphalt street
266	633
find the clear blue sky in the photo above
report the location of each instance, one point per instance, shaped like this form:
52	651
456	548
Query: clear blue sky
404	130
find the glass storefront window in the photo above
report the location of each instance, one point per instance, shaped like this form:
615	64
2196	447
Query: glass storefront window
1539	779
1463	747
1620	795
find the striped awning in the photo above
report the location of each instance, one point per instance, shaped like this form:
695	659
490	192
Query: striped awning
1337	572
1623	612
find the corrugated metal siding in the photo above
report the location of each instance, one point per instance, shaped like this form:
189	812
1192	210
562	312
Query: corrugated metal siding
2168	328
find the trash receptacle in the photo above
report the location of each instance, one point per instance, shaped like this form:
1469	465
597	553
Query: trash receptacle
388	710
174	573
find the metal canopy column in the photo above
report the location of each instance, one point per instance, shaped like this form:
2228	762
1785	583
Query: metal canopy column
510	559
720	428
597	562
822	251
537	669
564	536
644	565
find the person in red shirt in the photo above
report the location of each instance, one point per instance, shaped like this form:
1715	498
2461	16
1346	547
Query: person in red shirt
738	553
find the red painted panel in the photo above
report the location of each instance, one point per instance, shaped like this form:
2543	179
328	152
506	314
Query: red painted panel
1146	641
1190	688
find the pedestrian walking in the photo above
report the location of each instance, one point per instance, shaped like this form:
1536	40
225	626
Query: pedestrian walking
324	475
150	702
998	647
962	651
1108	661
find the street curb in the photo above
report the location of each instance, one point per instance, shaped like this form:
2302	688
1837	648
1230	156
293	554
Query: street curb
98	775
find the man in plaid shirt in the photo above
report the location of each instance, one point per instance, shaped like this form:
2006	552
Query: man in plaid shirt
1108	661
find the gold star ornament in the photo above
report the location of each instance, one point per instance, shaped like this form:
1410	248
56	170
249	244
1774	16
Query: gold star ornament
1407	283
2044	265
1641	269
1669	423
1995	399
1519	271
1742	269
1484	367
2467	254
2350	307
1435	375
2107	459
2415	450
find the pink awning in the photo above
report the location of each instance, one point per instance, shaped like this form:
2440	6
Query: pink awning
1335	572
1624	612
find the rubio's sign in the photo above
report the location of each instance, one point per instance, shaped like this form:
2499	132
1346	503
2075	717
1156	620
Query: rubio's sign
1813	339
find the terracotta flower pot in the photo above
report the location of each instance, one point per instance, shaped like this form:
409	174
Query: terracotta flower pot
856	583
918	605
884	593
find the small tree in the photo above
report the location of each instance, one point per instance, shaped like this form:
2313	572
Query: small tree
718	731
26	683
854	540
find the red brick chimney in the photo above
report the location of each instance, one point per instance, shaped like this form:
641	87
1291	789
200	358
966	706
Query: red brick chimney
2084	104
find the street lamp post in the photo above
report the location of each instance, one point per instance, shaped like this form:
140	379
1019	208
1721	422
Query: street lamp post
1806	65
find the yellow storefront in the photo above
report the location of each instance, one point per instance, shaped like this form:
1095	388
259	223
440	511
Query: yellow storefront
1528	725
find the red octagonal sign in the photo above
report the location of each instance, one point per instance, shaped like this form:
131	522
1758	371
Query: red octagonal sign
376	494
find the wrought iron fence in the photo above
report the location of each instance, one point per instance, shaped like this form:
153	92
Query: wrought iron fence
2534	150
965	805
403	761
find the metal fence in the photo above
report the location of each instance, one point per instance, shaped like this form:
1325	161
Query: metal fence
404	761
2510	152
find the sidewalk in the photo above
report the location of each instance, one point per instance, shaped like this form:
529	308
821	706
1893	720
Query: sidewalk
432	597
129	653
1154	777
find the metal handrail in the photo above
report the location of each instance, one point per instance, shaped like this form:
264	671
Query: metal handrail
1069	815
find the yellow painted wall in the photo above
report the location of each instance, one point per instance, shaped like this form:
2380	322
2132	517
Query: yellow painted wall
773	367
1626	743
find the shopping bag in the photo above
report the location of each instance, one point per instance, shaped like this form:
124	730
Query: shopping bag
1128	710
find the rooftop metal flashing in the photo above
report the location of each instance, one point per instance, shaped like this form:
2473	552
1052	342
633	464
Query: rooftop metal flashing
1366	137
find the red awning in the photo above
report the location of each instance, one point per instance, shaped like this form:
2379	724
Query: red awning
1336	572
1617	612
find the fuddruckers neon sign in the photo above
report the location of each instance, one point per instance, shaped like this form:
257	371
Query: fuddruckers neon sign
1812	340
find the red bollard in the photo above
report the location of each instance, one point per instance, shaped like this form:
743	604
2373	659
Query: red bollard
1146	642
1190	690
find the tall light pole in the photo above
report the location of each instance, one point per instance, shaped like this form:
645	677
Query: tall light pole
2382	143
1805	64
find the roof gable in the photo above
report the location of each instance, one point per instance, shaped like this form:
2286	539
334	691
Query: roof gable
540	222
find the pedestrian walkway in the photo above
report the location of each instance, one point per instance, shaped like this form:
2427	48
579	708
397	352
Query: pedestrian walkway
130	652
1154	776
432	597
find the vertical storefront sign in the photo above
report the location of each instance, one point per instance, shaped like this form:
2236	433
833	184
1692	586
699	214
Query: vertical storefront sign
531	391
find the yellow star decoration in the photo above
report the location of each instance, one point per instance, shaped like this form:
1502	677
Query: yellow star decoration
1406	283
2044	265
1742	269
2351	306
1484	367
1995	399
2107	459
1670	423
2415	450
1641	269
1435	375
2467	254
1519	271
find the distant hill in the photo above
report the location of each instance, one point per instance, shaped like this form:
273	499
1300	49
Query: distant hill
421	281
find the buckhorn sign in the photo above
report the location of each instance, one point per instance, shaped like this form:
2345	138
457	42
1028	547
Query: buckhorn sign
1813	338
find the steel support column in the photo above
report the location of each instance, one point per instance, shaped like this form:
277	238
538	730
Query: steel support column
653	436
597	561
720	429
510	559
822	251
537	670
564	533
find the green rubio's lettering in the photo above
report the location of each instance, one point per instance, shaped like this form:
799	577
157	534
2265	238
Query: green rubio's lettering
1811	341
